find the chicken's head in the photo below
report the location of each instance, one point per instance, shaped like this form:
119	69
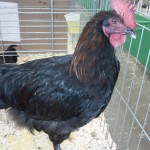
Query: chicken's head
120	23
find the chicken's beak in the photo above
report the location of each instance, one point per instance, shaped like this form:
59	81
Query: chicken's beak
130	32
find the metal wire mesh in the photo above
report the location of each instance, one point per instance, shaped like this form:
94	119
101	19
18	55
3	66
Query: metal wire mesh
43	29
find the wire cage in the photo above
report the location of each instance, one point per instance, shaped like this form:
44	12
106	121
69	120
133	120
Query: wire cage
40	29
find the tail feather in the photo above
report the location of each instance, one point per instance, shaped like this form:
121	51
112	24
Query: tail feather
9	56
11	48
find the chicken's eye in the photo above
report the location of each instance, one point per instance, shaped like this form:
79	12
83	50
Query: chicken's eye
114	21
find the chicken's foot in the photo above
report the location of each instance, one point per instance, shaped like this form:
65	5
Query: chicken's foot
56	146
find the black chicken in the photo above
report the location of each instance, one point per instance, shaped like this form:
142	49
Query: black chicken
60	94
9	56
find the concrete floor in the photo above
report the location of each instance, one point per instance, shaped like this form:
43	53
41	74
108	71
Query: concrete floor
112	111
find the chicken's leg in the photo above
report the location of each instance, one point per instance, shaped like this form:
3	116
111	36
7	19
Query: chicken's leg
56	146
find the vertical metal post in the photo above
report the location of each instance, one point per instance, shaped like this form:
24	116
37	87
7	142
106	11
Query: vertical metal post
19	3
2	42
51	10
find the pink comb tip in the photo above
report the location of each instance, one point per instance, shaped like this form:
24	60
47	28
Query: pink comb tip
125	10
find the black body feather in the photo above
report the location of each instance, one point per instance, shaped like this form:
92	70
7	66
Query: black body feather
51	96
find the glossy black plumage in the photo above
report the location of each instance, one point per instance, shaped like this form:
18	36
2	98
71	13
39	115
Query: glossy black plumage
9	56
58	95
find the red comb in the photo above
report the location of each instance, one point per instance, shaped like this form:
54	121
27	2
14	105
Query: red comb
125	10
